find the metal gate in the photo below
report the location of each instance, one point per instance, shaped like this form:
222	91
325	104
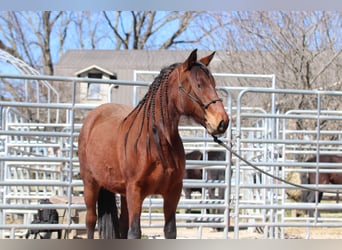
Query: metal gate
38	153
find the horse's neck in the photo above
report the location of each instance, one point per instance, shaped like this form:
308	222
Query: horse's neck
162	120
166	123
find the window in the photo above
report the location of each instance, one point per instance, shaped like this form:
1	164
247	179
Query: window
94	89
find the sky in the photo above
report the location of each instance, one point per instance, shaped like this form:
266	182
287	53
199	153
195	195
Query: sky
171	5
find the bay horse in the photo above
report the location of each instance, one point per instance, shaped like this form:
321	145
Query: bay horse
212	174
139	152
323	178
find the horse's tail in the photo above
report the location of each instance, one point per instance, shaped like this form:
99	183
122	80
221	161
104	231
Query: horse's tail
108	221
306	194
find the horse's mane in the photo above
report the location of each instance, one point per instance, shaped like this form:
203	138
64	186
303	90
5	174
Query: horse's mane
147	103
147	106
161	78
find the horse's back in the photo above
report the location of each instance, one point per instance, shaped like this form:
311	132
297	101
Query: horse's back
109	114
103	113
326	158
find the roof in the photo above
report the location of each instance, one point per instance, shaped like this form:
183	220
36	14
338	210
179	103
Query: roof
92	67
73	61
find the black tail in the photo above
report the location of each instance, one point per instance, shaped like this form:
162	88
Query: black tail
309	195
108	221
306	194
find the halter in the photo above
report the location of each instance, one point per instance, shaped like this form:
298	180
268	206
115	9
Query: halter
194	98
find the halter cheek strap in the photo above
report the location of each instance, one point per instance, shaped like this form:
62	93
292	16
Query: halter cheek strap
194	98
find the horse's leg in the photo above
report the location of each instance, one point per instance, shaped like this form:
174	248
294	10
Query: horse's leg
123	218
320	196
91	193
47	235
311	197
187	193
171	200
134	201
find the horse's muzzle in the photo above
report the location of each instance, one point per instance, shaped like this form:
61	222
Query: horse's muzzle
222	127
217	128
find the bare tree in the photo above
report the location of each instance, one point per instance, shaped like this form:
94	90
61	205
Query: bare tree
303	49
89	31
29	35
40	38
151	29
291	44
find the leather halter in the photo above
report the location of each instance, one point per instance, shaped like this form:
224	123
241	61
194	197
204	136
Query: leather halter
194	98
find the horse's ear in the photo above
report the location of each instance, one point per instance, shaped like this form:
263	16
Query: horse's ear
190	61
206	60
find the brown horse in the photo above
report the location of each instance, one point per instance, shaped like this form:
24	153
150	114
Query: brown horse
139	152
323	178
213	174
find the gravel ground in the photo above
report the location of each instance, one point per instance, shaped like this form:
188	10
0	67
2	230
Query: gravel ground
209	233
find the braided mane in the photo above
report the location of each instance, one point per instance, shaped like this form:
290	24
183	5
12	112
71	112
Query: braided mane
161	78
148	102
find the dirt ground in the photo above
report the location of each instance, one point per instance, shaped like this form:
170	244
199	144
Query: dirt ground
250	233
209	233
314	233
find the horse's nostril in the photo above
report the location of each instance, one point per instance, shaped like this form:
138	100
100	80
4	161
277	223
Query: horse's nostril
222	126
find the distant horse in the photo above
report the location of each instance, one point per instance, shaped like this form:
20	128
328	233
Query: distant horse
324	178
139	152
212	174
45	216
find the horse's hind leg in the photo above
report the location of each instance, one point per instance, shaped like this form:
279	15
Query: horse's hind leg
91	193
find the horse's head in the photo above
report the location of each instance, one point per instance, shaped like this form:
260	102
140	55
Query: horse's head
198	96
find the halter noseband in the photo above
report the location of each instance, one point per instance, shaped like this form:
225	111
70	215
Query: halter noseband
194	98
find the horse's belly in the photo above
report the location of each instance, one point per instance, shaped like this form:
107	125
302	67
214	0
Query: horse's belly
104	158
336	178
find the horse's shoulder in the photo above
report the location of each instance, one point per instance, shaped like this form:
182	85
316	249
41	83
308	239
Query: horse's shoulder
104	113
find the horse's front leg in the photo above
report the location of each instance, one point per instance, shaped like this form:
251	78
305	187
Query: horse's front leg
171	200
134	201
123	218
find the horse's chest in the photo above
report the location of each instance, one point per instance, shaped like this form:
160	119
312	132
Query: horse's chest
162	179
166	174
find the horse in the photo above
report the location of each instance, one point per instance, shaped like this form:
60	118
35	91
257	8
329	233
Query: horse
137	152
44	216
323	178
212	174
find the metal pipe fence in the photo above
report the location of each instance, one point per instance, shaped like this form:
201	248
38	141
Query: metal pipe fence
38	159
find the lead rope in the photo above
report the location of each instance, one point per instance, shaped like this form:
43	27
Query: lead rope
221	143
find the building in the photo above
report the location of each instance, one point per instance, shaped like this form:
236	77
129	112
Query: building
140	65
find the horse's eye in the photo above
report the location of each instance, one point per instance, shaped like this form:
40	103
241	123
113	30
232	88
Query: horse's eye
199	85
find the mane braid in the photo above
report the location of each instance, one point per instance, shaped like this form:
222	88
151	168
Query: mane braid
147	106
165	100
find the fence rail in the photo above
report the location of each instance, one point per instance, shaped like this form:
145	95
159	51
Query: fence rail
38	159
